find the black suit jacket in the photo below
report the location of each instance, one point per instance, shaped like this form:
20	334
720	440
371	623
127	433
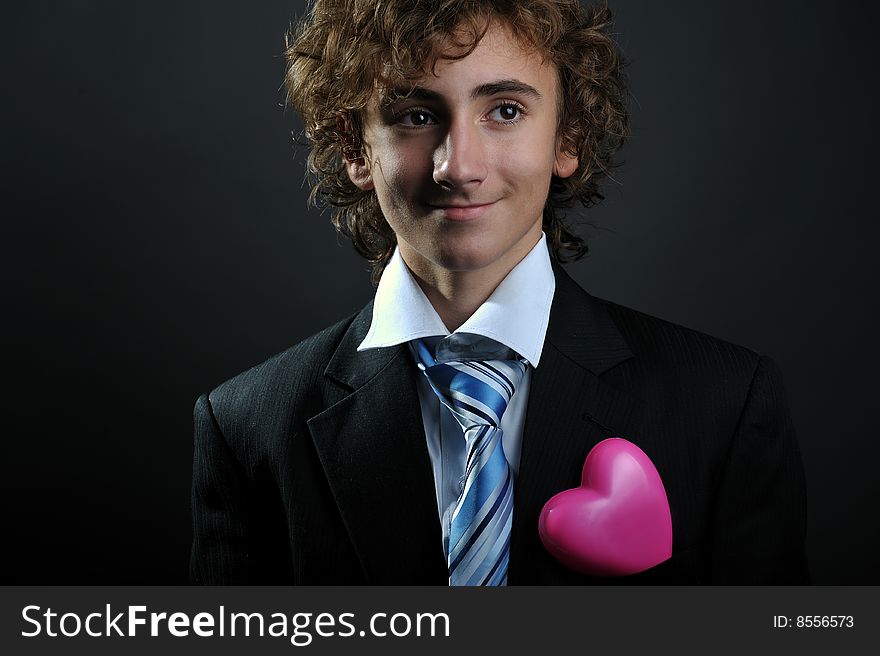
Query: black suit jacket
312	468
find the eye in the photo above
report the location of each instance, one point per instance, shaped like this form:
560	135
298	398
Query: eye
415	118
507	113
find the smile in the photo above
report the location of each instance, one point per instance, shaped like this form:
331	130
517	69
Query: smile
463	213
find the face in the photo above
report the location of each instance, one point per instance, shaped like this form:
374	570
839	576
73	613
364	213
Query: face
462	167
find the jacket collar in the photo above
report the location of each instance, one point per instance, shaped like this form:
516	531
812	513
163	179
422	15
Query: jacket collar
373	449
571	408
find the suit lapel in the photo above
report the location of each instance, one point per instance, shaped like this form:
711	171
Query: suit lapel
373	449
570	409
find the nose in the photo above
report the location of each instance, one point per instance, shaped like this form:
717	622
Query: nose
460	159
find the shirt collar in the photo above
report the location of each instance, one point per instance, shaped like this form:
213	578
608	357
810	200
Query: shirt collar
516	314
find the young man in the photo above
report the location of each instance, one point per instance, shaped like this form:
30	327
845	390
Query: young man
417	441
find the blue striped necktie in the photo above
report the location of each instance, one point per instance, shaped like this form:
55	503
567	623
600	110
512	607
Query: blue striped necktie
477	393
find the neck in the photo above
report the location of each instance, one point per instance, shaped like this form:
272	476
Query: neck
456	295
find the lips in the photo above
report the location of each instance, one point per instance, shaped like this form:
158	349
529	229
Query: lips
463	212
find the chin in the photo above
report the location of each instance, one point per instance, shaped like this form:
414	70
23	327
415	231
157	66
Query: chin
471	259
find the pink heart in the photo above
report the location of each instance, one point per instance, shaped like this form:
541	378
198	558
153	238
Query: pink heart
617	522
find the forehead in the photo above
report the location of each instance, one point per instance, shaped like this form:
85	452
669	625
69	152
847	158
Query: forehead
499	63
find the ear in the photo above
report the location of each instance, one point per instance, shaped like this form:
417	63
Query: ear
359	173
566	161
355	163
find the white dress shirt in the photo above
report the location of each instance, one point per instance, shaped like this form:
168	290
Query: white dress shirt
515	315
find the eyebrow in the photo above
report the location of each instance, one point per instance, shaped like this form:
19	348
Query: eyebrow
489	89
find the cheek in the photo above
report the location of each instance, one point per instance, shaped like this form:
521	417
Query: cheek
397	173
528	175
527	162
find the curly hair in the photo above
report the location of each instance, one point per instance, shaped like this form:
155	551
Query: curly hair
338	53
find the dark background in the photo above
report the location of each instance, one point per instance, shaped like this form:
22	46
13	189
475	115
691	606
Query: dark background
156	242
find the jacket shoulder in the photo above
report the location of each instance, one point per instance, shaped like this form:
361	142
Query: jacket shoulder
663	346
264	396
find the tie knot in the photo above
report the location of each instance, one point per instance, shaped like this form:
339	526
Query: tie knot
476	391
